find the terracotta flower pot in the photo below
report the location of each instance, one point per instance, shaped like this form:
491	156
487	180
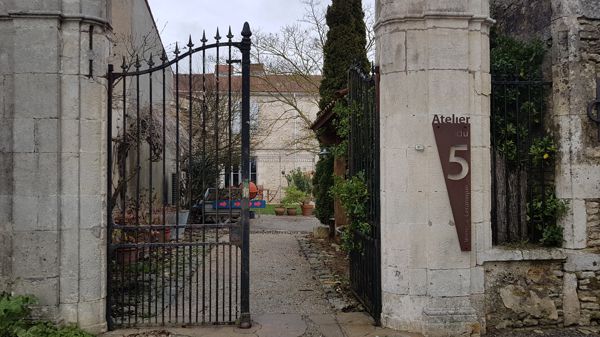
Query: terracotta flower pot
292	211
307	209
279	211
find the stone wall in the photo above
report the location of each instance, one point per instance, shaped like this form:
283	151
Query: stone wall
523	294
592	209
542	290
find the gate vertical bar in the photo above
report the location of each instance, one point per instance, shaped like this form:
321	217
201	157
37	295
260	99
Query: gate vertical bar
377	195
109	201
245	319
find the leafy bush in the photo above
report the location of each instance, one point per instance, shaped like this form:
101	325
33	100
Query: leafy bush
293	197
300	180
322	184
14	322
354	197
545	214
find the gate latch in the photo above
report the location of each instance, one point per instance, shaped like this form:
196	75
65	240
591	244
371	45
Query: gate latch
595	105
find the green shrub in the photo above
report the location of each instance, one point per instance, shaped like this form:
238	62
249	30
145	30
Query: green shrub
322	184
14	322
293	197
300	180
353	194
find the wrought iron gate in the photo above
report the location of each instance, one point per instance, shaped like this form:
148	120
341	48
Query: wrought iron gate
363	146
176	255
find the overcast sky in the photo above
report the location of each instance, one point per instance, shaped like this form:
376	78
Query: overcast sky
178	19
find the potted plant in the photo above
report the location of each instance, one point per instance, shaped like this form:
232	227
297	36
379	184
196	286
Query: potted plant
125	255
279	210
307	207
293	198
171	221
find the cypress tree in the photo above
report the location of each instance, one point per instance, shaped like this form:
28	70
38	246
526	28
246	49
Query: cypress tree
345	46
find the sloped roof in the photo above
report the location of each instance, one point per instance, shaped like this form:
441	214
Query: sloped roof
258	83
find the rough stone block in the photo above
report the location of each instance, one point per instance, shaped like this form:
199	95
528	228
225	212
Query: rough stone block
35	255
582	261
36	5
417	282
25	214
23	135
45	290
41	33
571	307
70	98
91	170
46	135
92	139
36	96
92	254
449	48
450	92
92	316
69	174
449	283
477	280
417	50
393	53
92	213
71	48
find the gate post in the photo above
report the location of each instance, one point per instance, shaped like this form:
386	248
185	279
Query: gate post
245	319
435	186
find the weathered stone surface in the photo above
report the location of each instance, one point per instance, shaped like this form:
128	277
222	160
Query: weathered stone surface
519	291
571	307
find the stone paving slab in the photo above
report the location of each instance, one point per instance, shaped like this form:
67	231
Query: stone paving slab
287	299
279	325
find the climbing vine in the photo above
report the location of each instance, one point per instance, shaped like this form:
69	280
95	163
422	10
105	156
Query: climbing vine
353	194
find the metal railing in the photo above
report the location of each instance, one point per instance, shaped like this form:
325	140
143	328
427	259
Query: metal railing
522	173
363	151
175	262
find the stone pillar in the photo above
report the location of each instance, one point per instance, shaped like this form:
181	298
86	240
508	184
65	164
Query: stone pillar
434	60
52	178
575	67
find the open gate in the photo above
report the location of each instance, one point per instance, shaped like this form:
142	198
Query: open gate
363	146
176	129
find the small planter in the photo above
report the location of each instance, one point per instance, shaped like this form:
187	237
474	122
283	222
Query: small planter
183	219
292	211
279	211
307	209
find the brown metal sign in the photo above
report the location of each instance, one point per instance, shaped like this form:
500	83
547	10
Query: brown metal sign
453	139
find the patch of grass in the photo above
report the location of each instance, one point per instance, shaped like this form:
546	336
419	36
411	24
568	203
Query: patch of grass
269	210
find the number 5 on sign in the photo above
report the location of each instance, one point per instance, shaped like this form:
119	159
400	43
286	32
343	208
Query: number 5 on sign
464	164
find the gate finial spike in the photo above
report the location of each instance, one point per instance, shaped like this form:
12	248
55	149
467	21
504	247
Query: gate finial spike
124	65
204	40
218	36
229	35
246	32
138	65
164	57
190	44
176	48
151	61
